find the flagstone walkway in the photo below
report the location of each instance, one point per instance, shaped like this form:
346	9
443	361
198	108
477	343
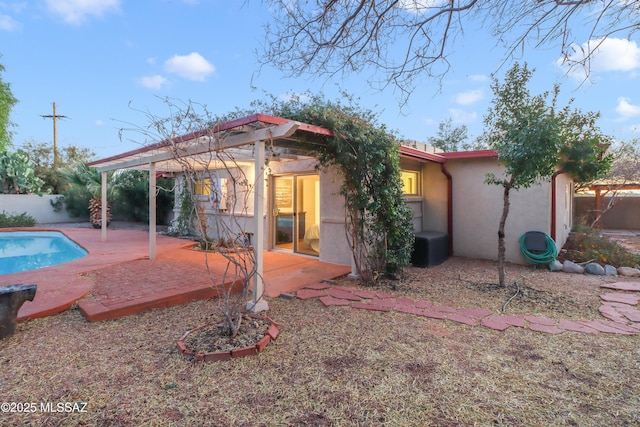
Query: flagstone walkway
617	308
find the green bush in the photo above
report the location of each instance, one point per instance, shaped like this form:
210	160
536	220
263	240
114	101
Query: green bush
76	200
16	220
132	197
586	245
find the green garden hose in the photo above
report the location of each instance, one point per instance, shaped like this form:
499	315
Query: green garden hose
545	257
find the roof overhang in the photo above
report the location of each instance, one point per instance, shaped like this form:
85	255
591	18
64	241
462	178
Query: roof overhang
211	146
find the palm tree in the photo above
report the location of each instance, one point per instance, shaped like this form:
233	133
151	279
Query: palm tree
90	179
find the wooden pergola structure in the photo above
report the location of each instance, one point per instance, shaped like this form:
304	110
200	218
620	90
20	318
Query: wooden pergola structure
601	189
244	139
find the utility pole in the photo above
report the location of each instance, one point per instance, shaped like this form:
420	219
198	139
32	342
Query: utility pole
56	158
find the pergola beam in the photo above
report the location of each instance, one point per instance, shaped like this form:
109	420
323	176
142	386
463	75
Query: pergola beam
211	143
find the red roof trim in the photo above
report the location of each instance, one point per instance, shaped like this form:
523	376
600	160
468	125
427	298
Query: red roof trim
242	121
421	155
469	154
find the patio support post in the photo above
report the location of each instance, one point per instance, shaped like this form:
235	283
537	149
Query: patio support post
152	210
103	218
258	304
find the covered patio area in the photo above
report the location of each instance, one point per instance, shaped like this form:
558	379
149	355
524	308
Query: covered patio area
249	141
117	278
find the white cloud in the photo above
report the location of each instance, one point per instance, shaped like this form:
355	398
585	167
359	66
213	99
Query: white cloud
76	11
626	109
99	123
461	116
192	66
610	54
7	23
478	77
469	97
154	82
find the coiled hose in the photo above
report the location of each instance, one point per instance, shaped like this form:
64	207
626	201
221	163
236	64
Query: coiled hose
543	258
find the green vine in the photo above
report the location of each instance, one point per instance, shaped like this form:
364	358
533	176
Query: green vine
380	224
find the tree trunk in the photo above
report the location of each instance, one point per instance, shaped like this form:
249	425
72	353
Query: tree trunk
95	213
501	246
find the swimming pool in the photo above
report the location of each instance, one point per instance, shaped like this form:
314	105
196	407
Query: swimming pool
30	250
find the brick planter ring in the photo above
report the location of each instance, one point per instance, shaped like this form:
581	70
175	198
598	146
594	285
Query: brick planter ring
271	334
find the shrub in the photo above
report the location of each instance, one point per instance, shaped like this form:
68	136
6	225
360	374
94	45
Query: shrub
586	245
16	220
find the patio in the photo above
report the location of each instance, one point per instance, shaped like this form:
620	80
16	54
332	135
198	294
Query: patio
117	278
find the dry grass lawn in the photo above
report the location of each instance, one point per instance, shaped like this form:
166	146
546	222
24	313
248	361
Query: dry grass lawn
339	366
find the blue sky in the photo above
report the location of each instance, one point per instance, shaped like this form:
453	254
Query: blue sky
99	58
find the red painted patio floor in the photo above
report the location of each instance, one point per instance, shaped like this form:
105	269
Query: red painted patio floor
118	279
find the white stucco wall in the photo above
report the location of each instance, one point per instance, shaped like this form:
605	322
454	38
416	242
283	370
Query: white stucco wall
564	208
38	207
477	208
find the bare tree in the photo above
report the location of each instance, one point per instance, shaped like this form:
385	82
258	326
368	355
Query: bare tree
409	40
213	192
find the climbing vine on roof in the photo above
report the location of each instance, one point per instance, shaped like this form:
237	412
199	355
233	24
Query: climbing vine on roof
379	222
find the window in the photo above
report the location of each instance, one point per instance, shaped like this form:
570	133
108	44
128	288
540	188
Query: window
202	187
213	189
410	182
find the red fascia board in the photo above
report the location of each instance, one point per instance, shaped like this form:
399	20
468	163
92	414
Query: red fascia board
242	121
469	154
421	155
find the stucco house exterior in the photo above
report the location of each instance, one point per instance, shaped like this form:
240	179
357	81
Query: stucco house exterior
456	200
297	208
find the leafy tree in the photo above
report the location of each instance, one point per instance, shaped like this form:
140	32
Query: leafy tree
7	101
533	140
409	39
450	138
41	156
17	175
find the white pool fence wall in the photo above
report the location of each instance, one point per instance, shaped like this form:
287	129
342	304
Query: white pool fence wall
39	207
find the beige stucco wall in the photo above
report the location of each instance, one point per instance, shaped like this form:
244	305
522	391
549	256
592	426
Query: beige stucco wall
477	208
334	247
435	193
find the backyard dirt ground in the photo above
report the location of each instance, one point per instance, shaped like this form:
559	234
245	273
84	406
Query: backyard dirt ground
339	366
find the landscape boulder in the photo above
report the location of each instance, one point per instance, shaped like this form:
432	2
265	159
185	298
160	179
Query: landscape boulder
594	268
572	267
628	271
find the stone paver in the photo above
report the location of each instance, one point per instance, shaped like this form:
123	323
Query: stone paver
623	298
548	329
310	293
623	286
331	301
496	323
620	315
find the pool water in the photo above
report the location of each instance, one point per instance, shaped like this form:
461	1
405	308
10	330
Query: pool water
30	250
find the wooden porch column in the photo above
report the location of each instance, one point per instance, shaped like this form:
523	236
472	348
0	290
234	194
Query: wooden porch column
257	303
103	218
152	210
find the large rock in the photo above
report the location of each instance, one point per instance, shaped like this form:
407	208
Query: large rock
594	268
555	266
572	267
610	270
628	271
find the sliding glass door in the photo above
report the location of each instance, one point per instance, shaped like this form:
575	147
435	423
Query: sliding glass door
296	213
